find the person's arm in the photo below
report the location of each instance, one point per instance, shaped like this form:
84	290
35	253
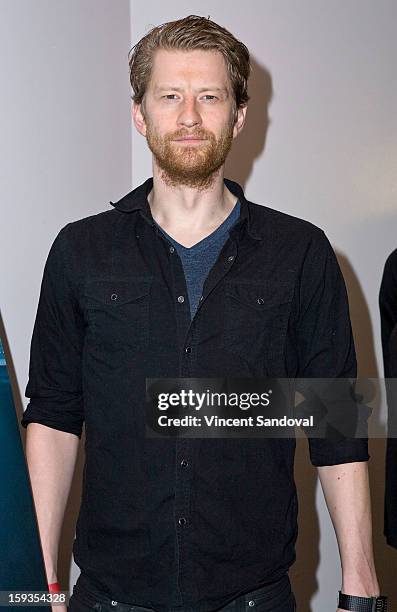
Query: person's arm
347	495
55	413
326	351
51	457
388	318
388	308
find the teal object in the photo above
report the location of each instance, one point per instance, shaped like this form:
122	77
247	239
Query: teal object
21	564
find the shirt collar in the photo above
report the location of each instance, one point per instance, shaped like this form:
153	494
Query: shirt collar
137	200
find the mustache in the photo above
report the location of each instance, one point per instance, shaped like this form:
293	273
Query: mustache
183	134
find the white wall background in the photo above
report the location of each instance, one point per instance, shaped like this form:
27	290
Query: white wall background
65	149
328	154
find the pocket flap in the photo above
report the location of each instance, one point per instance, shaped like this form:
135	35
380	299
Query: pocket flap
117	292
261	295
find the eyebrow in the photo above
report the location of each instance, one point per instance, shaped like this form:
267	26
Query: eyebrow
199	90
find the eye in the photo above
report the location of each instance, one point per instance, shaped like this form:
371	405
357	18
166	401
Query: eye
169	96
210	96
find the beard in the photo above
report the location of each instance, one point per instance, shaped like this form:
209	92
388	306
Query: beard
194	165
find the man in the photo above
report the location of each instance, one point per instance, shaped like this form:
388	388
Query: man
187	278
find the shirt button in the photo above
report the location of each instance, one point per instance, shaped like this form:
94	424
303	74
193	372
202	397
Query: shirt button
251	603
114	603
181	299
201	298
114	296
172	249
184	463
260	301
230	258
182	520
188	349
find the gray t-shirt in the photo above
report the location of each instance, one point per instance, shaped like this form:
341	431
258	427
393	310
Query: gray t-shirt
198	260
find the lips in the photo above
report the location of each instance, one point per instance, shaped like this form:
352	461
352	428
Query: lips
188	139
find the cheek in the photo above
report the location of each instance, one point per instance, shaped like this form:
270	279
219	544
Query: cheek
164	124
217	121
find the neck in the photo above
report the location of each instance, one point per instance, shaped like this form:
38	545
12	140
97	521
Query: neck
190	209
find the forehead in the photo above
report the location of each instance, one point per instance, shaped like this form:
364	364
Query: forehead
184	67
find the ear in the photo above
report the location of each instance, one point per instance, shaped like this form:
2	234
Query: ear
239	120
138	118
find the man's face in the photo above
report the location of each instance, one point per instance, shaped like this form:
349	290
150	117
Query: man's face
189	116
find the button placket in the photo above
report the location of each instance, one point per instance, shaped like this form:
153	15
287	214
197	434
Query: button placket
214	280
182	458
182	507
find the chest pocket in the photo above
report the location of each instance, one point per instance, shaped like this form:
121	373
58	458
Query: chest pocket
256	319
118	312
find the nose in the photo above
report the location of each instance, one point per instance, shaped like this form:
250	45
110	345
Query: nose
189	115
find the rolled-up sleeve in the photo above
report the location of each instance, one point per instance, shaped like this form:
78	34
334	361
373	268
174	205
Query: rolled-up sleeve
325	341
55	380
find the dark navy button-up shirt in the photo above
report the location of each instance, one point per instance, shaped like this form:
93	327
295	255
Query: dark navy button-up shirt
183	523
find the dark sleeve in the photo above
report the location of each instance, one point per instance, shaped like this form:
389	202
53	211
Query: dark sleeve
325	341
54	386
388	308
388	318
